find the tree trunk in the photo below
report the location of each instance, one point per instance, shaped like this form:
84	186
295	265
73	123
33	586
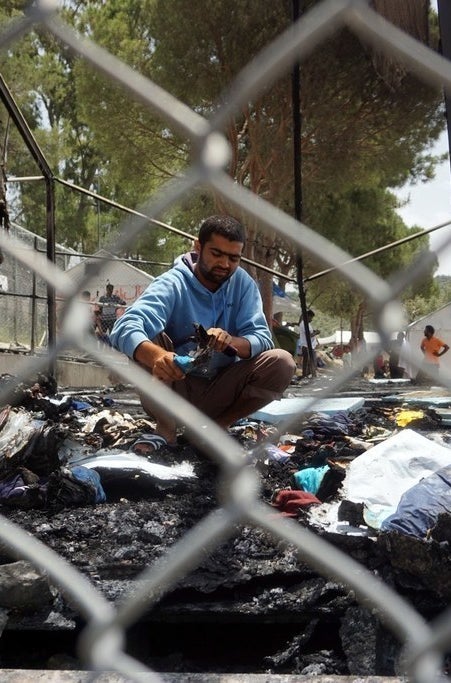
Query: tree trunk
357	342
266	292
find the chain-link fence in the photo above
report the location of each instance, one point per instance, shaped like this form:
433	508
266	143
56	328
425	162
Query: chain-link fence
24	313
102	642
23	300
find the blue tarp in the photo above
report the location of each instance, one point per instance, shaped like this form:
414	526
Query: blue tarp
92	478
420	505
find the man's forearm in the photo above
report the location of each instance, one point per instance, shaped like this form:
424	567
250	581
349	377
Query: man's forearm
147	353
242	346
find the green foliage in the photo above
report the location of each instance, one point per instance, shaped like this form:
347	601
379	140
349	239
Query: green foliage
40	75
361	135
438	295
360	221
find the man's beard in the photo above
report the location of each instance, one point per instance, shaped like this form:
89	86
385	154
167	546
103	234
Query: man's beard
215	275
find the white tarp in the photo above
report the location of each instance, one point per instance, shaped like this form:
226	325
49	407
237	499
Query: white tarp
379	477
115	459
288	408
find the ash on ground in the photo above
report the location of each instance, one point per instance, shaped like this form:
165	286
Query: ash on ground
252	587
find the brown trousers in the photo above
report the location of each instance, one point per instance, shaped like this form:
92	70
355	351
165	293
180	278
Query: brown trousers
248	384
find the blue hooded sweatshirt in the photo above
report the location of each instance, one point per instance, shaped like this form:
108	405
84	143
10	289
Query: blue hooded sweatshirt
175	300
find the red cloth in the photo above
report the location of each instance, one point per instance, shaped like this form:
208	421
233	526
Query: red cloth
289	502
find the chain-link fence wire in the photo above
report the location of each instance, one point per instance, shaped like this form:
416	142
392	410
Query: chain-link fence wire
23	295
102	642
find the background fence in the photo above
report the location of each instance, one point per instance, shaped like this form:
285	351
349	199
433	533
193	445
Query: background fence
23	300
24	319
102	642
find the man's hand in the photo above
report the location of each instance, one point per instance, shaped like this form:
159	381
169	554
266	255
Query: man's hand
165	369
220	340
158	361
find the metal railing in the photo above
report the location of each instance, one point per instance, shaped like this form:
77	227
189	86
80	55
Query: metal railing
102	641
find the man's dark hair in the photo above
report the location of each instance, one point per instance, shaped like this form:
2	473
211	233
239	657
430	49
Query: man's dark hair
109	286
310	314
226	226
430	329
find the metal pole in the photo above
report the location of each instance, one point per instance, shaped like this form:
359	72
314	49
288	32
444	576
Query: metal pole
33	303
298	200
15	307
444	22
98	213
51	294
38	156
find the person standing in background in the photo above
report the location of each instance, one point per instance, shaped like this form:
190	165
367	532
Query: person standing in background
405	358
432	348
302	350
106	310
395	360
89	311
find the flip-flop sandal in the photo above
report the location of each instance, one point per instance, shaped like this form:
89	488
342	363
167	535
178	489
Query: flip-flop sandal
146	444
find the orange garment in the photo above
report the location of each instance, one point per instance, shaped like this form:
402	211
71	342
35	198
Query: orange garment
429	346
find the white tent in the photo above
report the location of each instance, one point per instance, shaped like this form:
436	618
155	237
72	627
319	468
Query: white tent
372	339
129	282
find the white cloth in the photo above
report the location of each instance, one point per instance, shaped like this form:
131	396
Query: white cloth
405	355
302	337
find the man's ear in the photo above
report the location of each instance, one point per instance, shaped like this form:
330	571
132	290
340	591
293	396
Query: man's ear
196	246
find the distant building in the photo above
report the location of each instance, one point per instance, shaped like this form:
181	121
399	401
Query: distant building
129	282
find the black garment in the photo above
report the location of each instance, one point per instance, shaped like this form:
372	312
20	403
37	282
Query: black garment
107	311
396	372
306	361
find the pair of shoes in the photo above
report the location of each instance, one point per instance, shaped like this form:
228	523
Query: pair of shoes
146	444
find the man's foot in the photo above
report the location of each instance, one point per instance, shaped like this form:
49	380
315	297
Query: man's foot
147	444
